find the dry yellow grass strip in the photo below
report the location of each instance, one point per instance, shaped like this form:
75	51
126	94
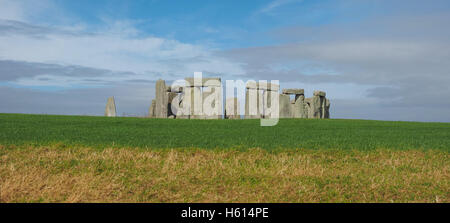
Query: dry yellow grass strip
52	174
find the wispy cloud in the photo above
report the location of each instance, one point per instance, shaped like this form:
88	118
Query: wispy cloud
276	4
115	48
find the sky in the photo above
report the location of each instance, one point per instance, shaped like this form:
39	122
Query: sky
376	59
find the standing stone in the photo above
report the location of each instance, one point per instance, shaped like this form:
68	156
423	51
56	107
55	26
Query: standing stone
316	105
110	110
327	108
271	102
314	110
212	106
162	100
299	106
171	96
196	103
151	110
252	104
184	104
307	106
285	106
292	109
232	108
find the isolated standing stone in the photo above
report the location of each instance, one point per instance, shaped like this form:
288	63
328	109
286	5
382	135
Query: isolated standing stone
110	110
162	100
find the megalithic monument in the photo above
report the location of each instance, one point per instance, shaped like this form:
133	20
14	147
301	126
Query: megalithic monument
110	110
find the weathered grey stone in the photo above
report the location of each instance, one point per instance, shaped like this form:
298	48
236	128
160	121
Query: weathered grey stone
170	99
204	82
262	86
285	106
299	107
196	102
161	99
110	110
232	108
291	110
212	102
296	91
184	111
314	105
319	93
327	109
253	104
175	89
271	104
151	110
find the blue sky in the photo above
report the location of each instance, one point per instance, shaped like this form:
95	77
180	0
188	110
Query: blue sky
379	59
226	24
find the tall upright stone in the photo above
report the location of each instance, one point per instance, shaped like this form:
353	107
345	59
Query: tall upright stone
285	106
271	103
232	108
171	98
212	106
253	104
151	110
196	103
184	104
110	110
161	99
254	99
327	109
316	105
299	108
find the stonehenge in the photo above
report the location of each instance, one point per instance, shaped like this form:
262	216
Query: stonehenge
197	98
201	98
110	110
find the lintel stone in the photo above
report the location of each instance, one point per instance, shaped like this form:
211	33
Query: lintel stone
295	91
261	86
319	93
212	81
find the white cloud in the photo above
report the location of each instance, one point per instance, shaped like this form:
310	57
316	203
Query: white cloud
116	48
26	10
276	4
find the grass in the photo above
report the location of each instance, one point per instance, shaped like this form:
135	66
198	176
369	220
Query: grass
47	158
54	174
102	132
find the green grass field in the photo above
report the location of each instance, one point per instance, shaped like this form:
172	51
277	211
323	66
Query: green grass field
102	132
46	158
